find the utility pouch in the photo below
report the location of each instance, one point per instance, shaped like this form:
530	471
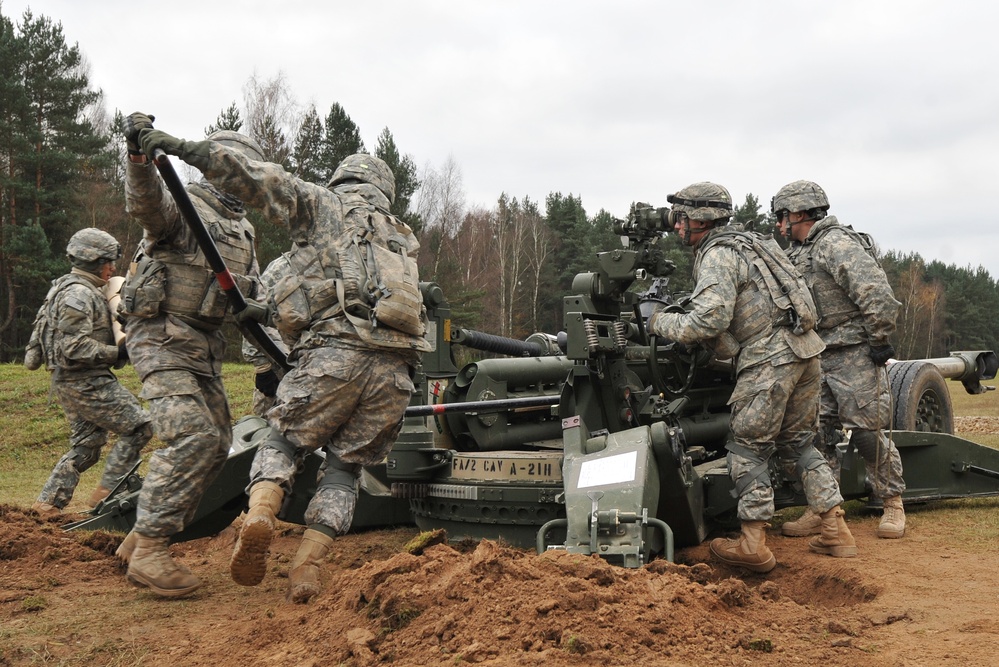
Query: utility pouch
303	293
145	288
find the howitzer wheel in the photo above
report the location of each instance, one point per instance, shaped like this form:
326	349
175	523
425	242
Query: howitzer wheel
920	399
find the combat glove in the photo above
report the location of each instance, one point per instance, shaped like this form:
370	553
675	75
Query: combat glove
122	356
135	123
267	382
259	311
880	354
194	153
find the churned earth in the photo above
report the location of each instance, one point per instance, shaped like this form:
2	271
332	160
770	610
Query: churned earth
927	599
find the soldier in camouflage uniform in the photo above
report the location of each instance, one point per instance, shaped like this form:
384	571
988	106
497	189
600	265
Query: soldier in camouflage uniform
352	381
775	401
174	309
76	343
857	312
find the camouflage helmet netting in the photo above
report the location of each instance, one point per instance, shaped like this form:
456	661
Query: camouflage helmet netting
704	192
91	245
242	143
366	168
799	196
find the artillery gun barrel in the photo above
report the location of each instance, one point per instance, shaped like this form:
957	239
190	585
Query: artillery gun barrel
966	365
537	345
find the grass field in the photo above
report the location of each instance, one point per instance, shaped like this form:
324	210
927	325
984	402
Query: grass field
34	433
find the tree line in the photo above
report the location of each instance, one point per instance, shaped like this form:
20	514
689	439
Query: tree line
504	267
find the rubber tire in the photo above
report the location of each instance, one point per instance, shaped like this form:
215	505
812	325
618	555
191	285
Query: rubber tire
920	398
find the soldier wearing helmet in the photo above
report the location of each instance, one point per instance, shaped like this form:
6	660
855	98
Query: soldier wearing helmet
774	405
174	308
73	336
351	383
857	311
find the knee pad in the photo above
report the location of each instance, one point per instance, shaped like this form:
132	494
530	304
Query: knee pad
83	457
282	444
760	469
810	459
866	443
339	475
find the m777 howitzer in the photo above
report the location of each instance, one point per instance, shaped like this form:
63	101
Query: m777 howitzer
600	440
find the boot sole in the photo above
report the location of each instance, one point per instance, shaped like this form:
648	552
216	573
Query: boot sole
142	582
890	535
249	560
835	552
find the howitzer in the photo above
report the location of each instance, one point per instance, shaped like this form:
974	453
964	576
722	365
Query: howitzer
609	460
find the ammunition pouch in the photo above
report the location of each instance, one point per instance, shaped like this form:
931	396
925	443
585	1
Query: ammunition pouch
144	289
303	293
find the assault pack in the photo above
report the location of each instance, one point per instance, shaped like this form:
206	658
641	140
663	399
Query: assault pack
41	345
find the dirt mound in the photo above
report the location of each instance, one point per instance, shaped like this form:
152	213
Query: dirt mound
64	596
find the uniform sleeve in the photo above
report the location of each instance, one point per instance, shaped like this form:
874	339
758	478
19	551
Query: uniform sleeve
74	327
859	275
283	199
712	302
149	202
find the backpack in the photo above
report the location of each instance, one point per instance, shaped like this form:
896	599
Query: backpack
379	282
786	286
41	345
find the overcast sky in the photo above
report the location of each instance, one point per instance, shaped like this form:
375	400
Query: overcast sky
892	107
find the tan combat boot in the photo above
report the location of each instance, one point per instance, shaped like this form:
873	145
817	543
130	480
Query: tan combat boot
45	510
249	558
835	538
99	494
125	549
892	524
749	550
303	579
152	566
808	523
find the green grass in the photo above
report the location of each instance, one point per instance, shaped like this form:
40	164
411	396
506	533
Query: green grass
34	432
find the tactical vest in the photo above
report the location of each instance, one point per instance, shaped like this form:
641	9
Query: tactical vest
41	346
833	305
163	280
777	295
364	274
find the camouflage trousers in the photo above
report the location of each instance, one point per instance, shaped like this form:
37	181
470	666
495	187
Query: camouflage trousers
191	416
95	406
350	403
775	411
856	396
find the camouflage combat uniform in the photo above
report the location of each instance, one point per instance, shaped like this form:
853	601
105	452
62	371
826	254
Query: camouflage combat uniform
775	401
260	362
344	394
857	310
175	309
89	393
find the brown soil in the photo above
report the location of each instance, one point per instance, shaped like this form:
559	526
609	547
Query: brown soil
915	601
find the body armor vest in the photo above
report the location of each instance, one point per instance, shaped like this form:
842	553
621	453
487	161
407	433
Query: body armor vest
833	305
164	280
41	346
758	307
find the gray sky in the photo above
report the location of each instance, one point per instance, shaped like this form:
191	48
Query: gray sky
893	106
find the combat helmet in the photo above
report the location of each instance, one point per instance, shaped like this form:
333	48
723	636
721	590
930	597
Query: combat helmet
368	169
240	142
89	248
705	201
800	196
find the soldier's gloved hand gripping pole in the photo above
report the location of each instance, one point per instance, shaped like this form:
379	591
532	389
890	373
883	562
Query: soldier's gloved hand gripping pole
250	328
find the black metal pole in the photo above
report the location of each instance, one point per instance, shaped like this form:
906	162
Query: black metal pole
251	329
497	405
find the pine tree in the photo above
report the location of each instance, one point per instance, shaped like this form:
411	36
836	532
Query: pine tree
406	182
342	138
228	120
306	155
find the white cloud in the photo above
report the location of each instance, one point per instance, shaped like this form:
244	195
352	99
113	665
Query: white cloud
889	105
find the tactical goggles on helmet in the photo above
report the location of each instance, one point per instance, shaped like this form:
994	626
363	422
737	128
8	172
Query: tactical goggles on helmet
676	217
